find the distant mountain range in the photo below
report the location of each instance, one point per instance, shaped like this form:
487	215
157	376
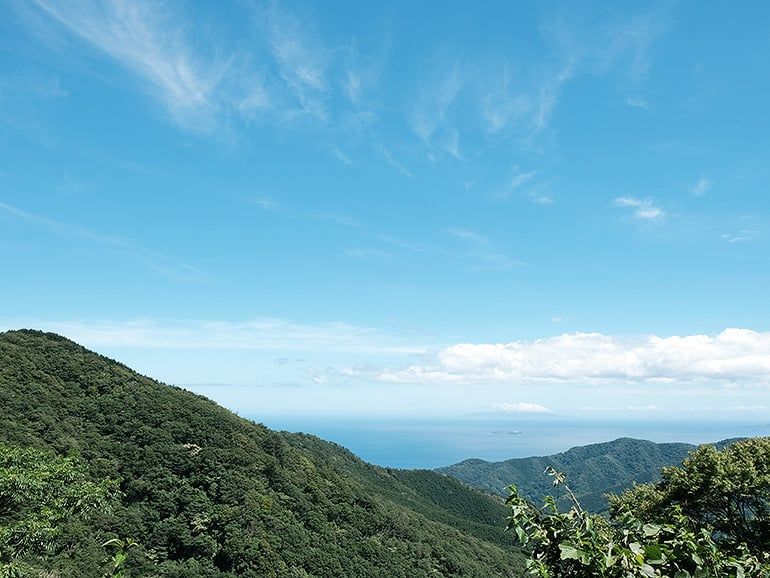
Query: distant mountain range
592	470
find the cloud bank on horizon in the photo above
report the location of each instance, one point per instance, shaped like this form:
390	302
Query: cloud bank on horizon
731	358
728	358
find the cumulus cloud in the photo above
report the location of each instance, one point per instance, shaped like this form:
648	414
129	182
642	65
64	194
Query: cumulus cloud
643	208
732	356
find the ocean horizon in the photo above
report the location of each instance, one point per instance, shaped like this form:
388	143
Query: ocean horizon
432	443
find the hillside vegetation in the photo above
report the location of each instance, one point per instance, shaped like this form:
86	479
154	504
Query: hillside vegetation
593	470
207	493
707	518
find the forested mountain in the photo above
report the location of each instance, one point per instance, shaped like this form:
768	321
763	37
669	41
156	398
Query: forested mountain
207	493
592	471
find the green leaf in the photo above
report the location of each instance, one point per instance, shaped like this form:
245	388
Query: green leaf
653	554
651	530
569	552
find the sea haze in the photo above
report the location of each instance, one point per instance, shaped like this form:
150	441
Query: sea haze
434	443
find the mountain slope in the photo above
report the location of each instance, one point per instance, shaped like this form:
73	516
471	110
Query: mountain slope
592	470
207	493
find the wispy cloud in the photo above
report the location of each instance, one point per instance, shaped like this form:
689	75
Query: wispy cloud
518	407
740	356
741	236
638	102
481	252
267	334
540	193
642	208
363	253
160	263
502	102
149	40
548	97
541	199
516	182
519	179
301	62
431	113
387	154
492	261
266	203
468	235
630	42
342	157
700	188
351	84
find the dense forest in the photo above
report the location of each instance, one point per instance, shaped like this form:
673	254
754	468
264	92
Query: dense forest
594	470
707	518
167	483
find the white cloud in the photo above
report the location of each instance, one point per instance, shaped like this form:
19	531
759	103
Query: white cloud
643	208
351	85
519	179
734	355
266	203
161	263
741	236
631	43
496	261
548	97
468	235
387	154
149	40
362	253
342	157
702	187
541	199
637	102
434	103
301	63
501	106
266	334
519	407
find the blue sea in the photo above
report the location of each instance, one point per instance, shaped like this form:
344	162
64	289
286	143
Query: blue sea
434	443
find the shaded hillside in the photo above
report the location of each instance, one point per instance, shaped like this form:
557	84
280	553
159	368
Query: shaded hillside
207	493
433	495
592	470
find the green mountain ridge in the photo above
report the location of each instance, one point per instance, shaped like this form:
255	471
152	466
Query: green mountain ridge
592	470
207	493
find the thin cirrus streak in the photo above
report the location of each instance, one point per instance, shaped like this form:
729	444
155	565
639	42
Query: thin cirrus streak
148	41
162	264
259	334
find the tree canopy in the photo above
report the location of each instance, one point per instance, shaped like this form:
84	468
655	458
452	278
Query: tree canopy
707	518
42	497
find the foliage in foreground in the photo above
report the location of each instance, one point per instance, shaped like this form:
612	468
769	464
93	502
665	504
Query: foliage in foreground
708	518
41	496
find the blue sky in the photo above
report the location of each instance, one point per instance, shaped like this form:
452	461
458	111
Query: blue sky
397	208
